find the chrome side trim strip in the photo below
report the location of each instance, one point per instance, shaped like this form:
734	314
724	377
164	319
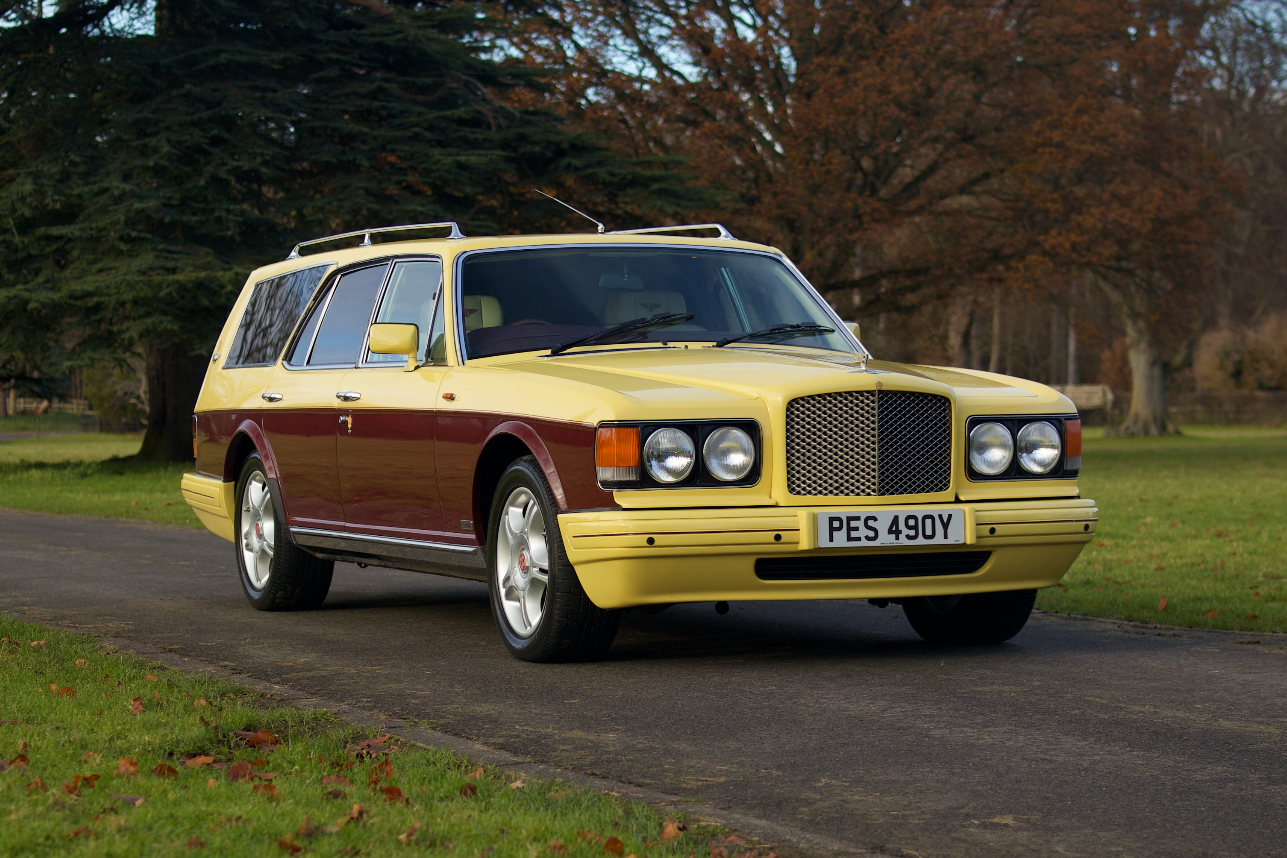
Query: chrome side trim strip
388	540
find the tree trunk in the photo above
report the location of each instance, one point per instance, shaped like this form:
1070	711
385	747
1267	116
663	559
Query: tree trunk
959	315
994	359
173	381
1147	415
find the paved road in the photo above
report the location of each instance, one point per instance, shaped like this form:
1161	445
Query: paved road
1078	738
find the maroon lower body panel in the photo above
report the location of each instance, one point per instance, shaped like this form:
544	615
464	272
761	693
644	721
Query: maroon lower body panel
303	442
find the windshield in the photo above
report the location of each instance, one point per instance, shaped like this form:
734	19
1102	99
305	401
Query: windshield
522	300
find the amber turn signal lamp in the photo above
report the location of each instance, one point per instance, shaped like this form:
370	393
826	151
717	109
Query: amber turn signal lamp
616	454
1072	445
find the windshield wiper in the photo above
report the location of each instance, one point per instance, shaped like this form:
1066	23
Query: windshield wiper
641	325
779	332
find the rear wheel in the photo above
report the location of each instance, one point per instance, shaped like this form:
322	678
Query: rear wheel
275	574
537	600
975	618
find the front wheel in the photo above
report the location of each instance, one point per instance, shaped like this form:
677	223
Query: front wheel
976	618
275	574
537	600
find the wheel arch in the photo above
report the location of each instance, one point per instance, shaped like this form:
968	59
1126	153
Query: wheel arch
505	444
248	438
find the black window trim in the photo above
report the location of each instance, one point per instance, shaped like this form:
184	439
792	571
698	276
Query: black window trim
290	340
328	290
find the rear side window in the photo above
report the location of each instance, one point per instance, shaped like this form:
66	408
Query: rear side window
410	299
271	313
345	316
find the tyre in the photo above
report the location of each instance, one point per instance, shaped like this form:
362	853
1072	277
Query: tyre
541	611
275	574
977	618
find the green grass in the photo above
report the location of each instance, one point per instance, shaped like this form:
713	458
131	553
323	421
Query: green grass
1197	519
85	475
65	705
58	421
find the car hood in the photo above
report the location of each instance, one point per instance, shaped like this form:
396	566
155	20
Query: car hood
770	373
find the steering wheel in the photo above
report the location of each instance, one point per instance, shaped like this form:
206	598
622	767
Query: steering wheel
531	322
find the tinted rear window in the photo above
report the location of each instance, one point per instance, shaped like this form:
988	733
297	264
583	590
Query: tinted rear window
271	313
340	336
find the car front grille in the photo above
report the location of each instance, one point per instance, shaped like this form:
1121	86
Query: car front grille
869	443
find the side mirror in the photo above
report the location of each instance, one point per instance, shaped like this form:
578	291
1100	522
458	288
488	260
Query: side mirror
853	329
388	339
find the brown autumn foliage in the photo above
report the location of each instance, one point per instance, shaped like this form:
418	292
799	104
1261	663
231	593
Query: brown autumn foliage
904	151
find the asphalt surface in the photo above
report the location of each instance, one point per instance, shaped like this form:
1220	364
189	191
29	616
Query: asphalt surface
1077	738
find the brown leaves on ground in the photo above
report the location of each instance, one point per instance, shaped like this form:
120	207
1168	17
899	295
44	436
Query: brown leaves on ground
732	845
83	831
38	644
136	800
518	784
371	747
337	780
136	706
468	791
393	795
406	837
239	771
198	761
288	845
91	755
165	770
151	677
64	691
200	702
379	772
556	846
80	662
354	815
37	783
614	846
1161	606
476	774
263	740
1212	614
266	790
195	842
672	830
127	766
73	786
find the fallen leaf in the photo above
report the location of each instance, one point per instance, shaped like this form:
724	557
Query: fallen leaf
20	760
1161	606
589	837
518	784
353	815
1253	616
258	763
1212	613
38	644
368	747
1255	595
211	783
259	739
200	702
136	800
164	770
672	830
266	789
338	780
83	831
136	706
152	677
468	791
379	772
73	786
197	762
127	766
556	846
475	774
288	846
37	783
90	755
334	793
407	836
614	845
80	662
393	794
307	828
66	691
239	771
264	776
195	842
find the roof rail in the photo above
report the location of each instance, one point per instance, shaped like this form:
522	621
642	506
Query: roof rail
723	233
367	233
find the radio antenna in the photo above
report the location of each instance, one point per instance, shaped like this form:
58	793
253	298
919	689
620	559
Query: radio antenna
566	206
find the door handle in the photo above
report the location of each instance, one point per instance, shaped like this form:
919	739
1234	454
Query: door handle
348	396
271	397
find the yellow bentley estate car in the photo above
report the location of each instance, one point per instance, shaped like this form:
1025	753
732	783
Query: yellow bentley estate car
591	423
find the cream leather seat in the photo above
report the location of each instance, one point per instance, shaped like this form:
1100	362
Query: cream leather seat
481	311
625	306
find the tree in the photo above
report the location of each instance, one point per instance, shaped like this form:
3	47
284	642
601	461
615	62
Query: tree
143	173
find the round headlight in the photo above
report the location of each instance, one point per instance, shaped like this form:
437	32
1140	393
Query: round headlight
1039	447
668	455
991	449
729	454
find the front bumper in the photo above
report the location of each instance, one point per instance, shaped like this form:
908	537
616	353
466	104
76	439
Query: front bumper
643	557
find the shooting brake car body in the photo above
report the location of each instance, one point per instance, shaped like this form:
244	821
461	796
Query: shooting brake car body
598	422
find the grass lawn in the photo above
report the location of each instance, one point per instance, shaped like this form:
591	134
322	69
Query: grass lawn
84	474
1196	520
105	754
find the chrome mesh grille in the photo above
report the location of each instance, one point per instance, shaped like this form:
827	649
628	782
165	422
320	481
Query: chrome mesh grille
869	443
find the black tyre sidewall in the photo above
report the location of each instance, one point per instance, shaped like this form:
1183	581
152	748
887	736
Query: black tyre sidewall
261	599
555	639
978	619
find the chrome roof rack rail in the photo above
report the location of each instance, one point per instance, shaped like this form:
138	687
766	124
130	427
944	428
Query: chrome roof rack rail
723	233
367	233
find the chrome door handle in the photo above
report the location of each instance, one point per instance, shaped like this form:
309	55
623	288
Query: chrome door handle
348	396
271	397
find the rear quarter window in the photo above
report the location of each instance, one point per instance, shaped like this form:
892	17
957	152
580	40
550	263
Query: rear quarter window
271	313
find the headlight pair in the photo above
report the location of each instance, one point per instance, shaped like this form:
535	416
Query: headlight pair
1036	445
652	455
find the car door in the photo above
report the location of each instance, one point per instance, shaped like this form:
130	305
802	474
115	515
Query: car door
301	417
386	447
